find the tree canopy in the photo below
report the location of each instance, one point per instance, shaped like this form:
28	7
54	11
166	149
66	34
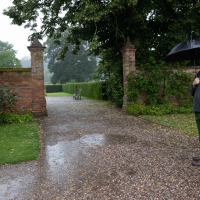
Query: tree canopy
150	24
5	46
74	67
7	56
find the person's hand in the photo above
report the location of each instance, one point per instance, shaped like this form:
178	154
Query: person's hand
196	81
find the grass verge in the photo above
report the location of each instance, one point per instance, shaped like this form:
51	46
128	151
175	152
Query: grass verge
182	122
57	94
18	142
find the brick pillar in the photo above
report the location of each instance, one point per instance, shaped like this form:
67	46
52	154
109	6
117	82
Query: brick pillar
37	66
128	54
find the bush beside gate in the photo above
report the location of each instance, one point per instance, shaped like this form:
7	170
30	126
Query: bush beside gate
93	90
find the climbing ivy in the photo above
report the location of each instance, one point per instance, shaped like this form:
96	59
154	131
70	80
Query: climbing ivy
160	86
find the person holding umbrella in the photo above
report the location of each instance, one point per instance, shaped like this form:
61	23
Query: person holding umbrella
196	108
190	50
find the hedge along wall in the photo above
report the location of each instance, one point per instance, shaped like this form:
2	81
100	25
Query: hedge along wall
27	83
53	88
93	90
144	89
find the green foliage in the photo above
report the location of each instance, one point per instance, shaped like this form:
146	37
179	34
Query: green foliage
5	46
8	56
160	86
8	60
15	69
53	88
110	70
93	90
10	118
141	109
155	27
178	84
115	89
77	67
7	99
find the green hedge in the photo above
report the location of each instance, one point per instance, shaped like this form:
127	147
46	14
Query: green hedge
53	88
28	69
141	109
160	87
93	90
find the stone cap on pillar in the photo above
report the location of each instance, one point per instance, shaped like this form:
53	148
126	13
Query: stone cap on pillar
35	44
128	45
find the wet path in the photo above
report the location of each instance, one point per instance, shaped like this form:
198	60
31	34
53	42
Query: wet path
94	151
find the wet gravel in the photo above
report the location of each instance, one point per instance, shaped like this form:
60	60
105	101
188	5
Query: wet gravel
92	150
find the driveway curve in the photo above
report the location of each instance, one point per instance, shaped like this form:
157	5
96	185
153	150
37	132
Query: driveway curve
92	150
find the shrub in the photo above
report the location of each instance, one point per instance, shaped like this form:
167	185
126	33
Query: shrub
160	86
10	117
7	99
115	89
53	88
141	109
93	90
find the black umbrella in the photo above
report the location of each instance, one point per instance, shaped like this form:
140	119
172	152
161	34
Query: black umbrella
189	50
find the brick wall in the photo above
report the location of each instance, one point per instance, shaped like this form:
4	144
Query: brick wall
27	83
19	82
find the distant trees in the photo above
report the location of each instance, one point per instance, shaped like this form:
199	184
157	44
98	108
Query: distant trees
8	56
74	67
26	62
47	74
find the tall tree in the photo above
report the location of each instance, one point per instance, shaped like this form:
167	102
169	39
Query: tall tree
150	24
5	46
8	56
77	67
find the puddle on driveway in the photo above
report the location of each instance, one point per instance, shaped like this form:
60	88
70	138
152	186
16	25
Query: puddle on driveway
14	188
62	156
104	139
65	157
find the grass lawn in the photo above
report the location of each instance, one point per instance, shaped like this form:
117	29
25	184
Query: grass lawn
18	142
58	94
183	122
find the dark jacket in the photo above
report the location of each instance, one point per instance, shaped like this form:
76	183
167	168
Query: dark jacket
196	101
193	88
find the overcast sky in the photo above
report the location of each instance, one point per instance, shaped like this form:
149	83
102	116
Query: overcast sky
13	34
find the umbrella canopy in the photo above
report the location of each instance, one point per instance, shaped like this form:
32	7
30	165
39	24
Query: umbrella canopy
189	50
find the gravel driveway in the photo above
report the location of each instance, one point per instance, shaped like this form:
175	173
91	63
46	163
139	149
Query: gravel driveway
93	151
